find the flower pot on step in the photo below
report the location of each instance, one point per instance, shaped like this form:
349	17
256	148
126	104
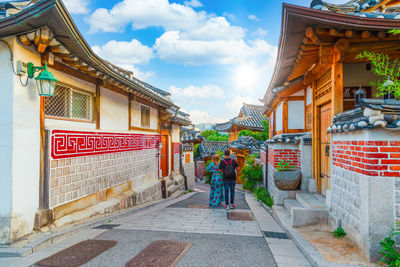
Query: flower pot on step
287	179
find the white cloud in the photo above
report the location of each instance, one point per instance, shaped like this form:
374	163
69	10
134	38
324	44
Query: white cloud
120	52
260	32
199	116
206	91
173	47
253	17
145	13
126	55
77	6
193	3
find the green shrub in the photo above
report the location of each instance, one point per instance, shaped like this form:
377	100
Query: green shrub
196	151
389	250
283	165
251	174
339	232
262	136
212	135
263	195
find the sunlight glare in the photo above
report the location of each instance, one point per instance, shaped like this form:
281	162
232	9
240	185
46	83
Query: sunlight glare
246	76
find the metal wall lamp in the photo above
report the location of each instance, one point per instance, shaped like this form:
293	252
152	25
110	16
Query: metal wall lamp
45	81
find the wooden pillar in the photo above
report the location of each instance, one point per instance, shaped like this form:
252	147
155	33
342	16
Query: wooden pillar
314	131
97	103
130	111
42	189
337	84
285	115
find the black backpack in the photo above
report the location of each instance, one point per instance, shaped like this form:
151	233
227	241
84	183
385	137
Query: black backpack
229	171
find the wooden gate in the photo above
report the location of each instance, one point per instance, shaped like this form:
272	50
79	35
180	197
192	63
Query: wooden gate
164	156
325	118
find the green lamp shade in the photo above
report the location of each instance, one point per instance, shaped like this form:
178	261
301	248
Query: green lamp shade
46	83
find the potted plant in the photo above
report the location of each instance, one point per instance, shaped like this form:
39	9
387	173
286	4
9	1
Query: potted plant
286	177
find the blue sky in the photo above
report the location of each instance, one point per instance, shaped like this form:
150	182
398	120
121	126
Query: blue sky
212	55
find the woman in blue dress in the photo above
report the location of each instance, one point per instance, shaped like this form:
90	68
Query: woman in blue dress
217	186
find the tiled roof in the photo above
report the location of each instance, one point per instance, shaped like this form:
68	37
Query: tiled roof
252	119
13	7
191	135
247	142
209	148
372	113
359	8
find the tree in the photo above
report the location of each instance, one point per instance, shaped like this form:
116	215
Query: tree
262	136
212	135
388	71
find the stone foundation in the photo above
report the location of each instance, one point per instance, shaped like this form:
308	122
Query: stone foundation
189	172
74	178
365	181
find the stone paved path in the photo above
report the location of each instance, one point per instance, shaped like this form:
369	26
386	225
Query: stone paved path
216	241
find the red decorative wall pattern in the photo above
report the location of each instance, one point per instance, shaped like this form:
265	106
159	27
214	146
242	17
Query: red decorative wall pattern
68	144
373	158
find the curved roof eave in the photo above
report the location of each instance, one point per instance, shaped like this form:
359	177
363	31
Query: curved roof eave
54	15
305	17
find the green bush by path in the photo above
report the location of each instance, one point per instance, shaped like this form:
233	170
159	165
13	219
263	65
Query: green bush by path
251	174
263	195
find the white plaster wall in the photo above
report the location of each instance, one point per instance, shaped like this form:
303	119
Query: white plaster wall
6	139
279	118
114	114
299	93
296	114
136	115
309	96
176	131
26	148
356	74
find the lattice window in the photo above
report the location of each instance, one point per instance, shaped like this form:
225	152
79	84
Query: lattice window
69	103
145	117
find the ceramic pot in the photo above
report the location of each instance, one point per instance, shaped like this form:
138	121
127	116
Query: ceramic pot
287	179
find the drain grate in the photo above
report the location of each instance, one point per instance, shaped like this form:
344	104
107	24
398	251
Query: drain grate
276	235
240	216
106	226
78	254
160	253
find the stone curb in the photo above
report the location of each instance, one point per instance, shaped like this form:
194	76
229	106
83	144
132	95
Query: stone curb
53	237
311	254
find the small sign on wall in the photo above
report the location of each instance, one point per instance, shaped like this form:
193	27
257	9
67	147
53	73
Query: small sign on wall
187	158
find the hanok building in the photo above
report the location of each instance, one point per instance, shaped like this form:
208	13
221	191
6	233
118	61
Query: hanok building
101	136
352	165
250	118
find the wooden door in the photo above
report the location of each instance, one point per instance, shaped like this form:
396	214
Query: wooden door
164	155
325	118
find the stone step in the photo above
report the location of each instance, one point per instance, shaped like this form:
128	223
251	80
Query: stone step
172	189
170	182
289	204
309	201
320	197
304	216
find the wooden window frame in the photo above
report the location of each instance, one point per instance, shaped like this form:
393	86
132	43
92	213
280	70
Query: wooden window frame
92	102
148	120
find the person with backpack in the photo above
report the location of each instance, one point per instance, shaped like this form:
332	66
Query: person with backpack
228	167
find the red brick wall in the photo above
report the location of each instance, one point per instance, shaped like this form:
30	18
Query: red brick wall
263	157
291	155
373	158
